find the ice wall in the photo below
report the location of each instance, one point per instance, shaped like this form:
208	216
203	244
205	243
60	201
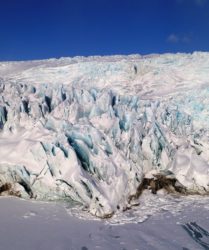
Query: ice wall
91	129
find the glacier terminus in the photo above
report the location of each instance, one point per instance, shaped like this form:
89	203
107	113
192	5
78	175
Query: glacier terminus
99	130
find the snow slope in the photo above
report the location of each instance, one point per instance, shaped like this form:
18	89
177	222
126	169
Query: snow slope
90	129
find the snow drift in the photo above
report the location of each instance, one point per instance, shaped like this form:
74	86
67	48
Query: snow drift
90	129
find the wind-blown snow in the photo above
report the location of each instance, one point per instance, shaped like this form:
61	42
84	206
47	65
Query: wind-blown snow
90	129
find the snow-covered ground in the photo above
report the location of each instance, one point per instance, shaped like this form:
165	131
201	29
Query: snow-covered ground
44	226
95	132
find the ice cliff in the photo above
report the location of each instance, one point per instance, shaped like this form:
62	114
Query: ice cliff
91	129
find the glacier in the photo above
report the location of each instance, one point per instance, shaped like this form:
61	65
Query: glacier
93	130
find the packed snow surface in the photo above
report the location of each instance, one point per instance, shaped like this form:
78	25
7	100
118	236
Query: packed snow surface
46	226
90	129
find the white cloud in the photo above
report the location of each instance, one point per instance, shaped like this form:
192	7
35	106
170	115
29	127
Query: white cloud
175	38
200	2
196	2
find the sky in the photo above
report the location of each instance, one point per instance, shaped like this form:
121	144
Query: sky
39	29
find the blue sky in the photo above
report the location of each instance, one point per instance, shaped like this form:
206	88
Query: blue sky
36	29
